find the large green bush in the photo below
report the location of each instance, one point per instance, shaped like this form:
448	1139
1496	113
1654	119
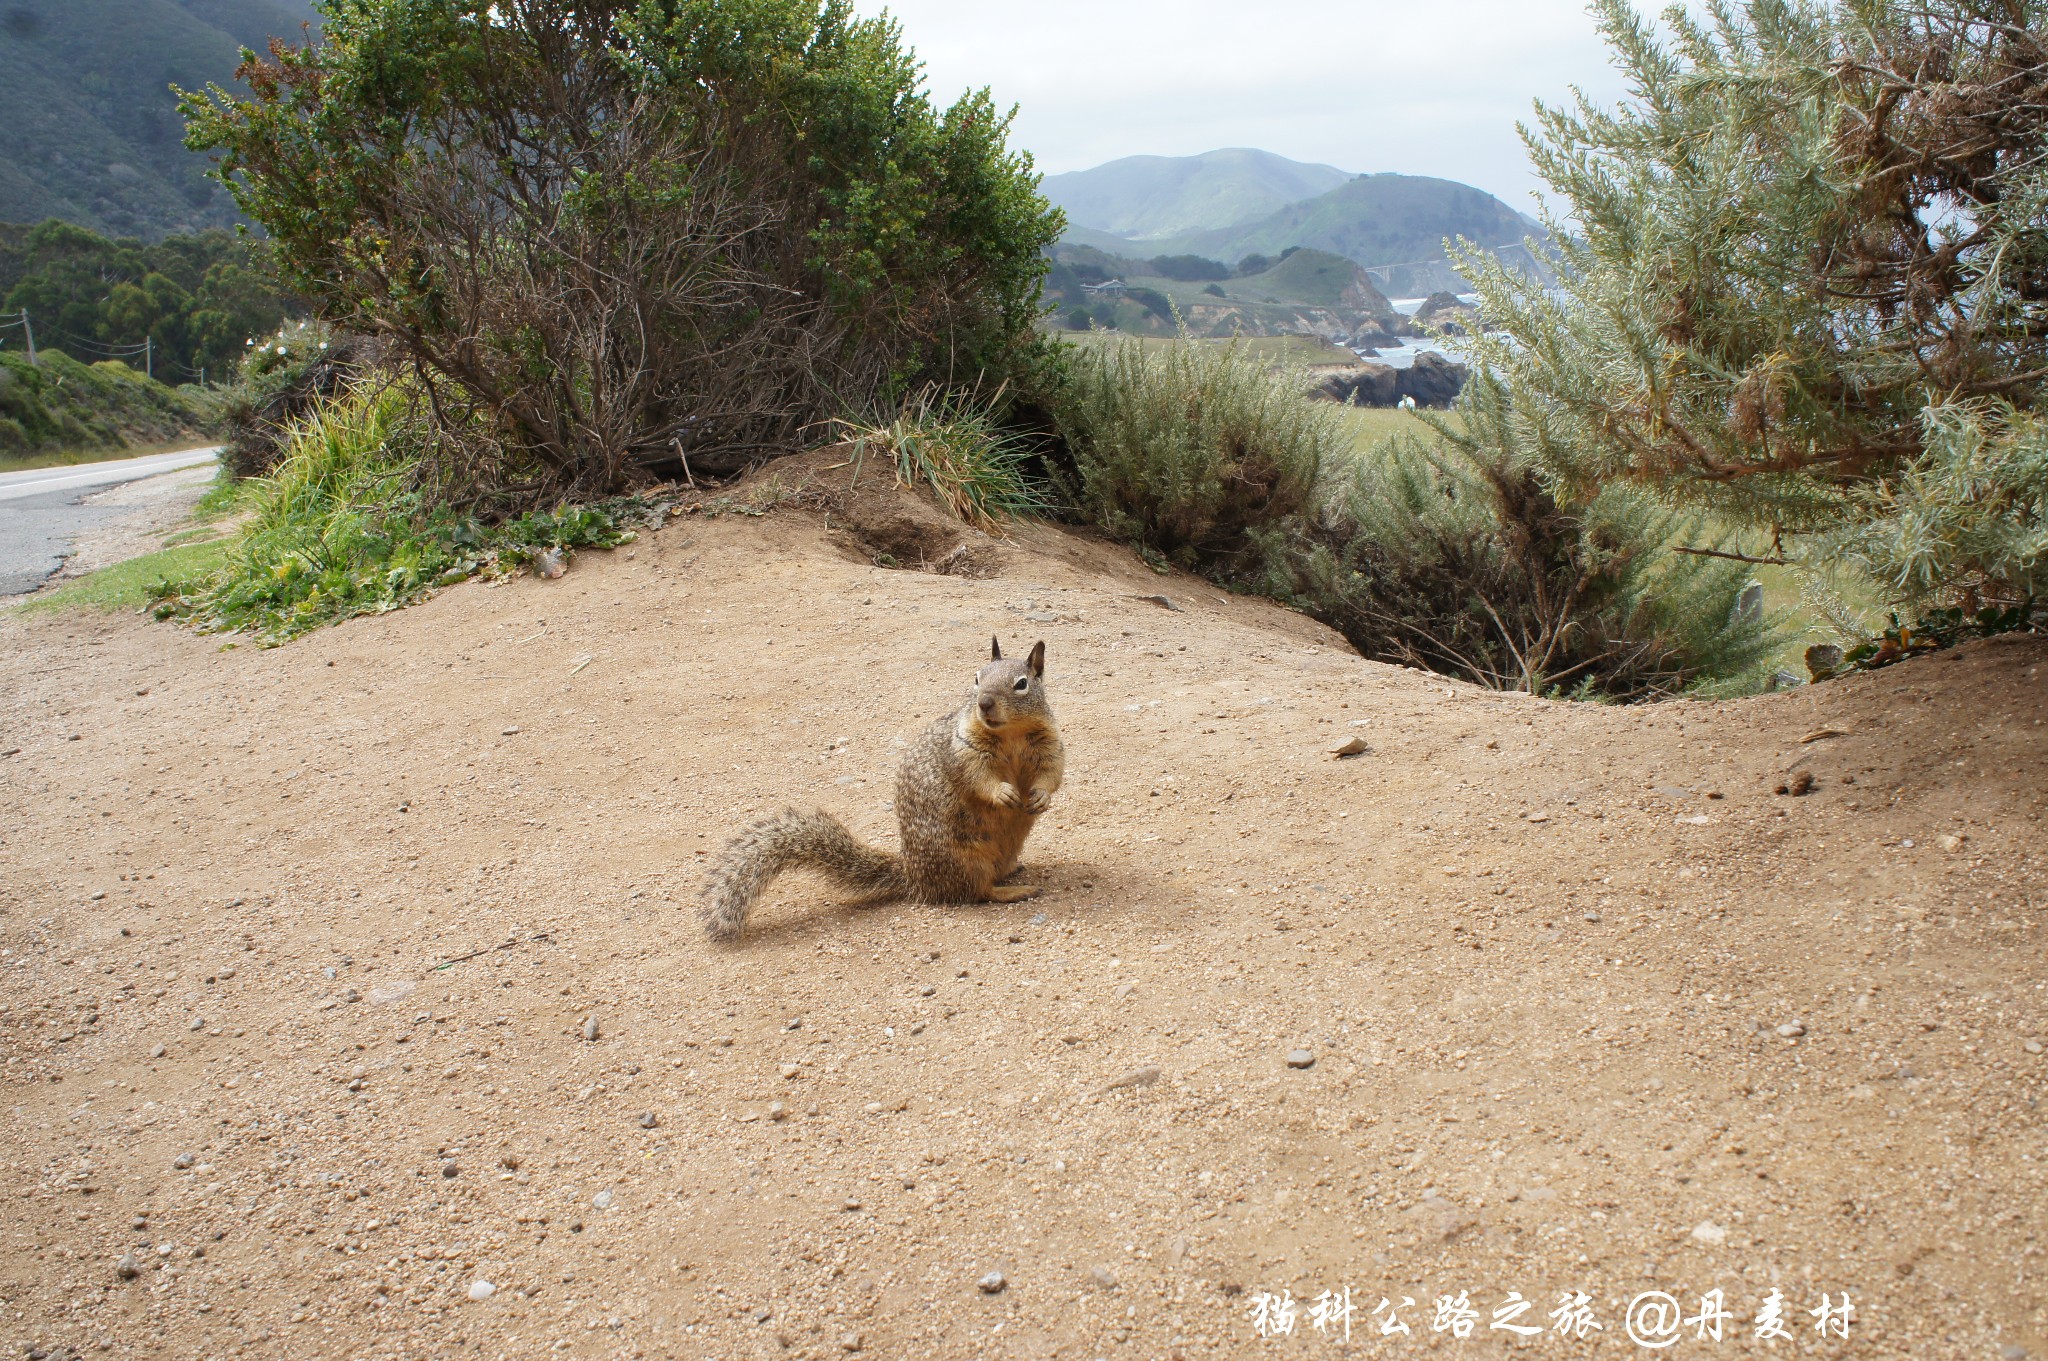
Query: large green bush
1187	450
1803	284
618	235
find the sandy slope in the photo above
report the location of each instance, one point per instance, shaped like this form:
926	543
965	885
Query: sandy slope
1539	951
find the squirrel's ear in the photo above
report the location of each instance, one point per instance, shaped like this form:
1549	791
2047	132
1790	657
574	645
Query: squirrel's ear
1037	662
995	648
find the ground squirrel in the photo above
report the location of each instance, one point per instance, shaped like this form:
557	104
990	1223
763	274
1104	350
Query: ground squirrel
967	793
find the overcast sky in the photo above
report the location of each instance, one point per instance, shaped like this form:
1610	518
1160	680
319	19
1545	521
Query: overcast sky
1428	87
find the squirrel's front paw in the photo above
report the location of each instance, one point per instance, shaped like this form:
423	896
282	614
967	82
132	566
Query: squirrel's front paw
1006	796
1039	801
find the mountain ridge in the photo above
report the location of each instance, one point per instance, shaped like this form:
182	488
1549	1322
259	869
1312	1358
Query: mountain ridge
95	135
1391	224
1141	197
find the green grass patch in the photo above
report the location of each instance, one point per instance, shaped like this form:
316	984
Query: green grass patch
133	584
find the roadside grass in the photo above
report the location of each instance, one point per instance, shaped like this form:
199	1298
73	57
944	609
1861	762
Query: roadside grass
133	584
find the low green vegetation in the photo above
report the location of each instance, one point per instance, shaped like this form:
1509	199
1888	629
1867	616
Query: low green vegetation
351	523
58	406
135	583
1408	535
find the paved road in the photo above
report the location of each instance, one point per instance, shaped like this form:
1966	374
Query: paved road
41	515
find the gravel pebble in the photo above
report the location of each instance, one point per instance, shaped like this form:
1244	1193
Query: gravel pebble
992	1283
1300	1058
481	1290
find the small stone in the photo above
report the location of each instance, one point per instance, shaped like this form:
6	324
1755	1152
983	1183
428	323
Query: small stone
850	1204
1300	1058
196	1023
157	1051
2012	1351
1038	919
98	894
1136	1077
481	1290
509	1161
511	731
603	1199
791	1071
1953	842
849	1342
127	1268
450	1169
1124	990
1707	1231
183	1161
1350	746
777	1111
648	1119
2031	1046
1102	1277
591	1029
1791	1030
1592	916
1536	817
993	1283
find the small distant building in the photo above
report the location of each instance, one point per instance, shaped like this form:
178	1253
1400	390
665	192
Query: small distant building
1108	288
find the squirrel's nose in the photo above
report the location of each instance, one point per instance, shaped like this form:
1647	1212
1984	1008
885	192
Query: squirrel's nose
988	704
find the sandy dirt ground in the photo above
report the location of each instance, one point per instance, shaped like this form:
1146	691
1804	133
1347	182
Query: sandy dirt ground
353	1004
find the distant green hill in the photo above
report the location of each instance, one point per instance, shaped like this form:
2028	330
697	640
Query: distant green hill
1155	196
91	130
1394	224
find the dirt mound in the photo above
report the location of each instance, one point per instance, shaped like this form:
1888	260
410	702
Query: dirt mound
869	513
353	1004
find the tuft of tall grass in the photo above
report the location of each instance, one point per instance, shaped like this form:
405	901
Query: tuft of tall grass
973	465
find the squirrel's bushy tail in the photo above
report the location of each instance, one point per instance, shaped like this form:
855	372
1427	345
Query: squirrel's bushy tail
770	845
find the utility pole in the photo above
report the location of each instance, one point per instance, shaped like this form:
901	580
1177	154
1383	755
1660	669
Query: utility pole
149	356
31	335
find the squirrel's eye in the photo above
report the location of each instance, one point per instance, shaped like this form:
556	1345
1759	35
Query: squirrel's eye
1023	684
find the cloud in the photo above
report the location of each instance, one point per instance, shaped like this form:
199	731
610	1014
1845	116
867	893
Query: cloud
1433	89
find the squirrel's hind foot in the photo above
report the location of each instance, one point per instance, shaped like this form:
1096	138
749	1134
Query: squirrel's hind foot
1012	893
